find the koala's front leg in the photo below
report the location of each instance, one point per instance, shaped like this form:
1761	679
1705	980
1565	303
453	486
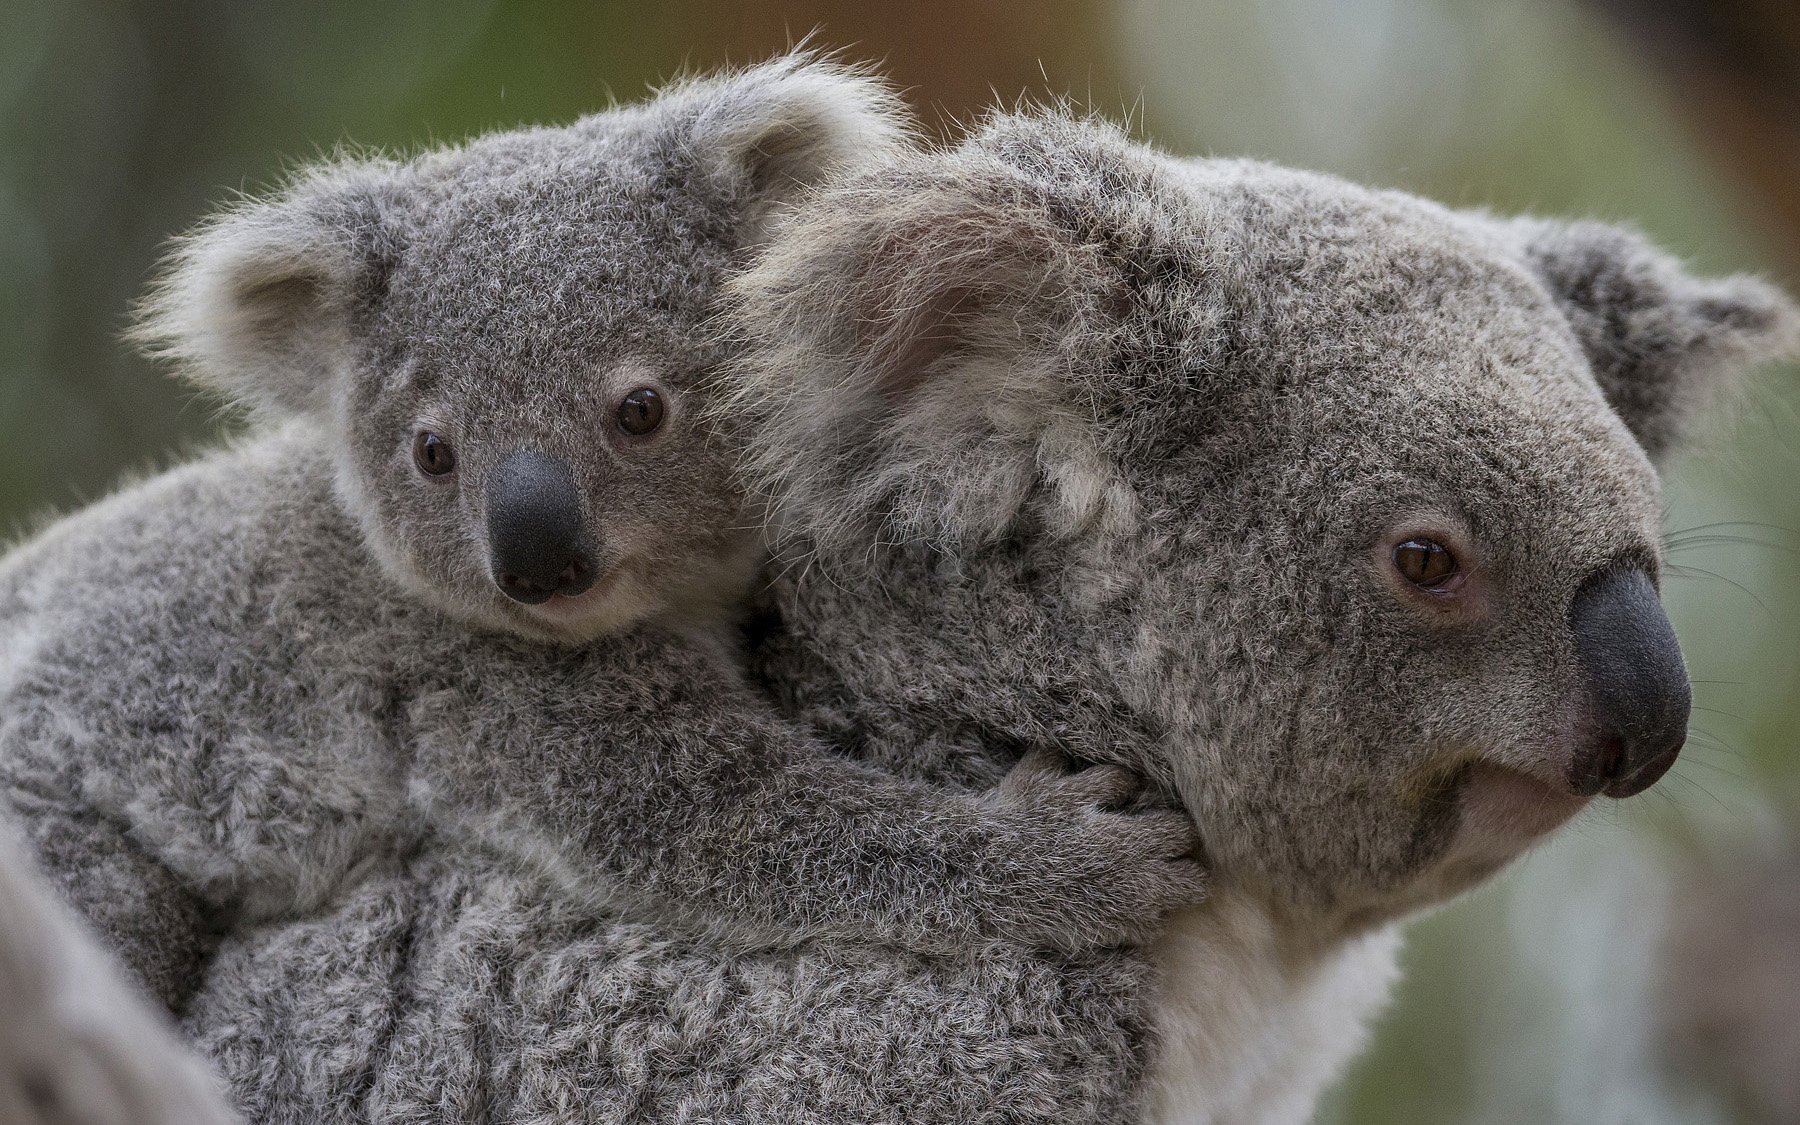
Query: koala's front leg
727	813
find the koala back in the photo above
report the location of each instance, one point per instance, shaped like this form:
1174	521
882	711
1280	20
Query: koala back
198	657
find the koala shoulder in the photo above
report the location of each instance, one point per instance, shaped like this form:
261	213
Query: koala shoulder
208	532
206	639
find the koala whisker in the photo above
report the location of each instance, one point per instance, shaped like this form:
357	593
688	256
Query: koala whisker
1687	780
1728	772
1715	711
1672	545
1685	571
1712	743
1675	533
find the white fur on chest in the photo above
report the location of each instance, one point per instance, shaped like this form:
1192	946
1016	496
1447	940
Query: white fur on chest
1253	1029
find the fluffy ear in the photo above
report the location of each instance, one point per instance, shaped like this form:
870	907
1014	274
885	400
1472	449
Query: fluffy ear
907	349
257	303
768	134
1660	340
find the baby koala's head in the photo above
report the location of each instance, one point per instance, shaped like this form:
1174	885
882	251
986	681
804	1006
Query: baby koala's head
501	341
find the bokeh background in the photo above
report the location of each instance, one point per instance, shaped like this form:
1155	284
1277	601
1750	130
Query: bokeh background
1645	967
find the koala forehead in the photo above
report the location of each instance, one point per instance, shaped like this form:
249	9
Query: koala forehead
1374	344
552	250
1389	336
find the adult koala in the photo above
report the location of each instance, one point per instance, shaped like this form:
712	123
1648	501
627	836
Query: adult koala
1332	510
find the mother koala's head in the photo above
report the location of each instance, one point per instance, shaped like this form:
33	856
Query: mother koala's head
1350	494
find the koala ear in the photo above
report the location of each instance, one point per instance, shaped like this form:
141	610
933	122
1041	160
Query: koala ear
906	355
1662	342
257	303
768	134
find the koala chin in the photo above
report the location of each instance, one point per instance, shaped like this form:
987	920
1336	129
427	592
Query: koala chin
1332	509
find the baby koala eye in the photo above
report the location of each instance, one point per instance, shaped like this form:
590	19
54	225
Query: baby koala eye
1428	564
641	412
432	454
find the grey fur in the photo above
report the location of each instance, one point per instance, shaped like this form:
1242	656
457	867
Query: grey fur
1167	413
233	692
1067	441
79	1043
1071	442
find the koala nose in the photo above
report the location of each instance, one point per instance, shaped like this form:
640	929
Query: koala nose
1637	685
537	543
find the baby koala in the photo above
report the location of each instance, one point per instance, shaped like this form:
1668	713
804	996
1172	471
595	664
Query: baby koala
478	573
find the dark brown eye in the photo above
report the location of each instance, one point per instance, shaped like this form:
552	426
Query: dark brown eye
641	412
1426	563
433	454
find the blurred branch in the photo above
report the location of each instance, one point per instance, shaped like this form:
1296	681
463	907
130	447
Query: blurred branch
1735	68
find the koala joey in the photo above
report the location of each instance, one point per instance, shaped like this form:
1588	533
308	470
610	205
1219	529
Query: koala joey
476	572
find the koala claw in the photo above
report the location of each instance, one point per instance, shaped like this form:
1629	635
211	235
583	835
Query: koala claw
1108	871
1042	777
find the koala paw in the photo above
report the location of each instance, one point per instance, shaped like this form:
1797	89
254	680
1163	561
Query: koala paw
1101	870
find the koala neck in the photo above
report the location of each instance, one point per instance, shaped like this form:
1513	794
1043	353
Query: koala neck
1258	1010
1261	1001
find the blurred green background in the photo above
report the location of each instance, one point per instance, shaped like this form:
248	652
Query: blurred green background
1565	992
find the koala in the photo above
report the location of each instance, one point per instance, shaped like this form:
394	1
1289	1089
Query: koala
477	571
1346	499
1331	510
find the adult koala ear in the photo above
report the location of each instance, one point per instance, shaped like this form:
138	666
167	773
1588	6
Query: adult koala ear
1661	341
258	302
909	349
768	134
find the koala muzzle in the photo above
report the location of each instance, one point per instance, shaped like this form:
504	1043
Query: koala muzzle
538	545
1637	685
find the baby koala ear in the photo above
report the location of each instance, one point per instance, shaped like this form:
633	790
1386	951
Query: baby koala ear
257	303
906	349
1662	343
770	133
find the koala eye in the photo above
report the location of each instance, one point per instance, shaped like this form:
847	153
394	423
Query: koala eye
432	454
1426	563
641	412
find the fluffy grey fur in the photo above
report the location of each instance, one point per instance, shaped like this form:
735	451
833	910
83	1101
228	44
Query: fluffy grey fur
1135	438
1164	419
79	1044
1071	441
233	693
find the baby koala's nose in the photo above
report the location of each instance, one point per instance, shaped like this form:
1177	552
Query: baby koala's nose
1637	685
538	544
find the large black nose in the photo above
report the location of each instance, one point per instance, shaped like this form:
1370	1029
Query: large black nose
537	542
1637	685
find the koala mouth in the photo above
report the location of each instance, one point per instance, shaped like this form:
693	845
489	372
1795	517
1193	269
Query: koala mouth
1500	813
579	617
1505	805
